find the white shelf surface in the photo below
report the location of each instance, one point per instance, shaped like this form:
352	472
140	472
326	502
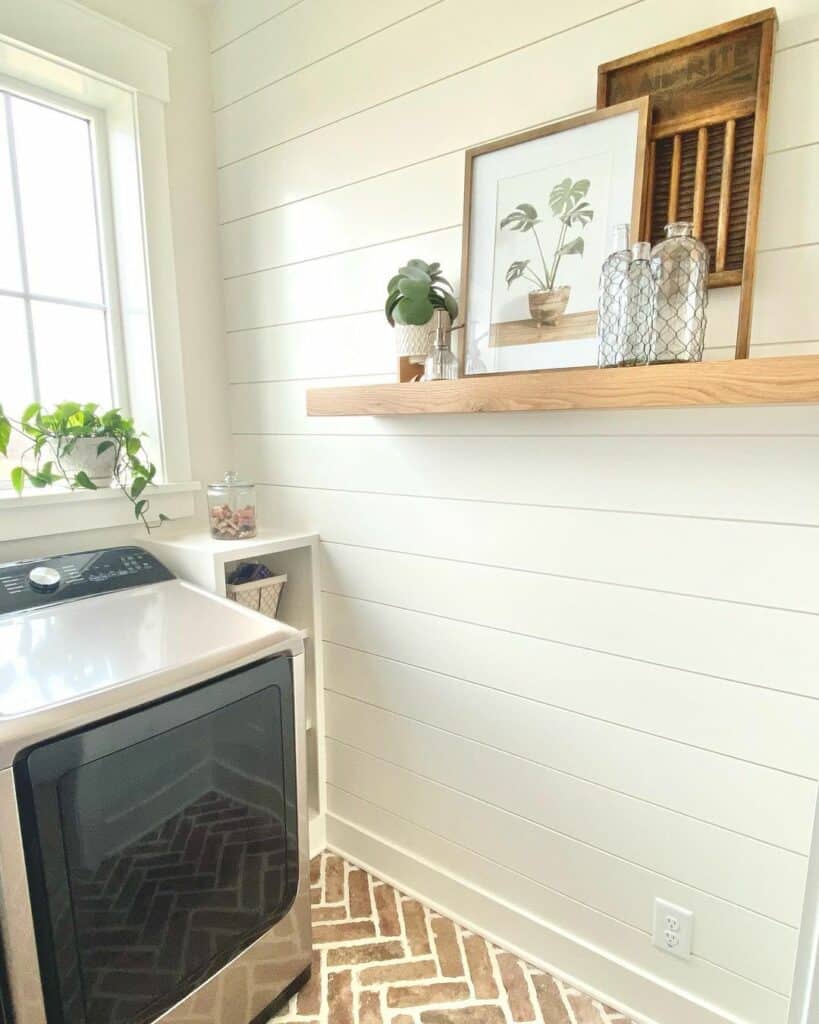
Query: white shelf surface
200	542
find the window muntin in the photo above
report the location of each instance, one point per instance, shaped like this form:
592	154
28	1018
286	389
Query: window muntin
59	335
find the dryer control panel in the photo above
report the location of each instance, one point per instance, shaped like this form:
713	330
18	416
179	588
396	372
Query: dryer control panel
44	581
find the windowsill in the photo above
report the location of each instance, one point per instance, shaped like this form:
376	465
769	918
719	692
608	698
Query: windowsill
36	514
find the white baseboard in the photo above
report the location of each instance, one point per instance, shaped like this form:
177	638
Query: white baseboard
640	996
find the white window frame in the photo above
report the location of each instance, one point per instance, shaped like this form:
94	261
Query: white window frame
106	239
80	57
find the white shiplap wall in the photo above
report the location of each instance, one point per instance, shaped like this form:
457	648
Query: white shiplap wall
570	657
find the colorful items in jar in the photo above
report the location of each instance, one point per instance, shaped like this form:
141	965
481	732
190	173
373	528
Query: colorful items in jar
229	523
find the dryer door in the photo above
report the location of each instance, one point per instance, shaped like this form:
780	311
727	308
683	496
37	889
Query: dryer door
161	844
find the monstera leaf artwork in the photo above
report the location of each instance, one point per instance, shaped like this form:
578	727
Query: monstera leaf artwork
567	203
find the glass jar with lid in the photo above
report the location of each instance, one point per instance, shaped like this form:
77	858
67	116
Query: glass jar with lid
232	508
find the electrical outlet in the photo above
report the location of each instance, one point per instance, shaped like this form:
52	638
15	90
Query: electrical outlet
673	929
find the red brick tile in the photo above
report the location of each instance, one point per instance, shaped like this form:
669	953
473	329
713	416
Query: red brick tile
386	905
333	879
407	970
369	1008
516	988
480	967
415	926
343	931
358	890
340	997
423	995
365	953
446	948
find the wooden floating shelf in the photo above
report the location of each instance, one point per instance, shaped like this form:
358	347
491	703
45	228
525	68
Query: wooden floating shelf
779	380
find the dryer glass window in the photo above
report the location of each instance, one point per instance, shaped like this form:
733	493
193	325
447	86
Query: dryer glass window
167	841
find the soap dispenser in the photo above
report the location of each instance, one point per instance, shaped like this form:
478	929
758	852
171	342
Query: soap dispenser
441	363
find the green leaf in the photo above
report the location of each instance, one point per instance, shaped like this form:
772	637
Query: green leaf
138	486
30	411
18	479
581	214
413	289
522	218
573	248
132	446
103	446
513	220
389	307
82	479
163	518
392	285
516	270
5	434
420	264
415	274
139	508
567	194
413	311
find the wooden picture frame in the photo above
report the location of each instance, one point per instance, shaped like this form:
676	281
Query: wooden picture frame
710	93
640	106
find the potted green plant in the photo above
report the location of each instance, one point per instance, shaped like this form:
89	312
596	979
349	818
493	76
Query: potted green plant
75	445
567	202
413	295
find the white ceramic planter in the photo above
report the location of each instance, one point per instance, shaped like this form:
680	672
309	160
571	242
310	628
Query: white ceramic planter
413	340
83	458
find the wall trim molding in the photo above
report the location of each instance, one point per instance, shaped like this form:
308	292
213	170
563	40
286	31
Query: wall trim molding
79	38
651	1000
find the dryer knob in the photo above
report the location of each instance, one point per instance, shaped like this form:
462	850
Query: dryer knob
44	579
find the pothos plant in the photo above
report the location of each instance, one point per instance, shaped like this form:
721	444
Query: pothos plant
416	291
55	434
567	202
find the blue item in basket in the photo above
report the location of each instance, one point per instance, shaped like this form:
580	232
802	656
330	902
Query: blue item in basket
249	572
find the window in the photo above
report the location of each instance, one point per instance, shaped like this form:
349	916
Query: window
85	217
59	326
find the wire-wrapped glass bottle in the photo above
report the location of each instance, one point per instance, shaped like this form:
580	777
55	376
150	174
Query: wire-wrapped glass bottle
611	318
679	264
639	307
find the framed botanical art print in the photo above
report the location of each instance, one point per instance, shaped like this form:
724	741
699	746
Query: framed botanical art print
539	209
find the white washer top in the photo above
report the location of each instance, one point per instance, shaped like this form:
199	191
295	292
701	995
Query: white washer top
63	665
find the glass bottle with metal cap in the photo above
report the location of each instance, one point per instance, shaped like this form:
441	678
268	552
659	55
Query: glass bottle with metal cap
441	363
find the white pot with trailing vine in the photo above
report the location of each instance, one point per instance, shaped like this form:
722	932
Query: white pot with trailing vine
568	205
413	295
75	446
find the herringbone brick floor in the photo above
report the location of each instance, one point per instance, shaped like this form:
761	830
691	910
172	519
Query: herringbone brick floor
384	958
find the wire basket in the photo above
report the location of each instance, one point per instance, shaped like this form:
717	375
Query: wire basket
260	595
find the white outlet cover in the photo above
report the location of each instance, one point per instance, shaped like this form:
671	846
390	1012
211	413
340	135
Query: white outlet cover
673	929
